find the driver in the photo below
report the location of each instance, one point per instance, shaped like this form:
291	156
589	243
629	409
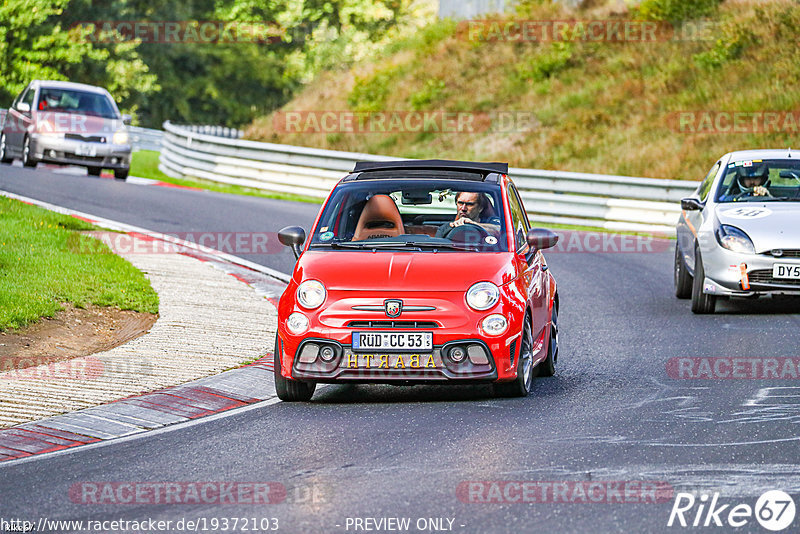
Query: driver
472	208
754	182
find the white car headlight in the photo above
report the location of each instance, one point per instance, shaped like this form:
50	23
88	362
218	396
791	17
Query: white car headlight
120	137
311	294
297	323
494	325
482	296
734	240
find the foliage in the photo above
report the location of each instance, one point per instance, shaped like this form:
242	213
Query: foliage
677	10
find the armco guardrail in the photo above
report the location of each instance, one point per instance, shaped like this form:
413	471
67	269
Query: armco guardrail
611	202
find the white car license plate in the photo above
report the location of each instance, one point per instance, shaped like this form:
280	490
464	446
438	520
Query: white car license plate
396	341
86	150
786	270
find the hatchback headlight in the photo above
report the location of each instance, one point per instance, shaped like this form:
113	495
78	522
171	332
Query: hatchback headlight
297	323
311	294
482	296
494	325
734	239
120	137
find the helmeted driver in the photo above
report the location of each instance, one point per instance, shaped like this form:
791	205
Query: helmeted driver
753	181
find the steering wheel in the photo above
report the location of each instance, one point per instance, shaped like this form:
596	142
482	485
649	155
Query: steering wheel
466	233
750	194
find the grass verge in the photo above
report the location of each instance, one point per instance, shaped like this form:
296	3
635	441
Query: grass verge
41	268
144	164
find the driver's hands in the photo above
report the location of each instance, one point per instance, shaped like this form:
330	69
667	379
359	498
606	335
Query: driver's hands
760	191
461	222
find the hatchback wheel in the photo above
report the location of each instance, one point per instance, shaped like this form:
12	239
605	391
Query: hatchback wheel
120	174
547	367
27	158
702	303
93	171
681	278
4	150
290	390
523	384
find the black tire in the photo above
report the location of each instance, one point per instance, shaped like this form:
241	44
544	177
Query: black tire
27	159
93	171
547	367
702	303
4	150
290	390
681	276
523	384
120	174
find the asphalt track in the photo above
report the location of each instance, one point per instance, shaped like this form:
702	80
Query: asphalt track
613	412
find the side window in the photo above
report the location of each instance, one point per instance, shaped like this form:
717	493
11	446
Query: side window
518	218
28	97
705	187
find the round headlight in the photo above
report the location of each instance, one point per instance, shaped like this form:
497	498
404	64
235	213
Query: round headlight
483	296
311	294
120	138
297	323
494	325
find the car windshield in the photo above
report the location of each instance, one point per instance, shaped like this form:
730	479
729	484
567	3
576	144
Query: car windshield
761	181
414	215
78	102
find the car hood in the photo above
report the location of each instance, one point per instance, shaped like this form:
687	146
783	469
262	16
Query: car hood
75	123
770	225
406	271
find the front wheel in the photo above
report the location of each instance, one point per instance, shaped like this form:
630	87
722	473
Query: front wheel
523	384
27	158
93	171
547	367
702	303
120	174
681	278
290	390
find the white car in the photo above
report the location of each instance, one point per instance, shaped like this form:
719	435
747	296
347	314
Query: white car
739	233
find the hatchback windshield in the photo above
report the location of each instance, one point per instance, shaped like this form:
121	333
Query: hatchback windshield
70	101
760	181
424	215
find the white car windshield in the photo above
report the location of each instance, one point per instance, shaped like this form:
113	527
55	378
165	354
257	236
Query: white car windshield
79	102
760	181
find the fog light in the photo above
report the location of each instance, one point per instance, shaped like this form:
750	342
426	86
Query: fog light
327	354
114	161
52	153
297	323
457	354
494	325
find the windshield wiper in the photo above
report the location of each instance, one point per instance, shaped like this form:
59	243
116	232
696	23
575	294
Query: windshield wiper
389	245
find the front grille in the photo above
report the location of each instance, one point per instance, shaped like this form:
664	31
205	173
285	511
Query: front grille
89	159
764	276
786	254
393	324
87	138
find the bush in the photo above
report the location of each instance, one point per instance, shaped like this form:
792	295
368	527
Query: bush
677	10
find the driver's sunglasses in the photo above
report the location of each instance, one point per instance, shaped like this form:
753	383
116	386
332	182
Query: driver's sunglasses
467	204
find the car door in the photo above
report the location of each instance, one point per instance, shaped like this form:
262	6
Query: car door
531	263
691	221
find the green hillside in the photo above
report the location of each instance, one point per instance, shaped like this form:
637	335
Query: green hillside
608	105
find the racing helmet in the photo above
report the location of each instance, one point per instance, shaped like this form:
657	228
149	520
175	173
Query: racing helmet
759	173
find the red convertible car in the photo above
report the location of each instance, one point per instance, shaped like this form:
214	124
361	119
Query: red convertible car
418	272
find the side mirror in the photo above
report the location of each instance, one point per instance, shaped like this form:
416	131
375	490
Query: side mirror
24	107
293	236
540	238
126	119
692	204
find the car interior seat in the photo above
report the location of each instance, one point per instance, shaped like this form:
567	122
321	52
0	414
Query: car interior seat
380	218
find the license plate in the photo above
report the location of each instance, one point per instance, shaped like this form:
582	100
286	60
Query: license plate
86	150
785	270
394	341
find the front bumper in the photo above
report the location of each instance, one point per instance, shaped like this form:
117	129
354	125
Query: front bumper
724	274
52	149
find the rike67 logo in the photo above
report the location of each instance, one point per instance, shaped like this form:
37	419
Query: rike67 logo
774	510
